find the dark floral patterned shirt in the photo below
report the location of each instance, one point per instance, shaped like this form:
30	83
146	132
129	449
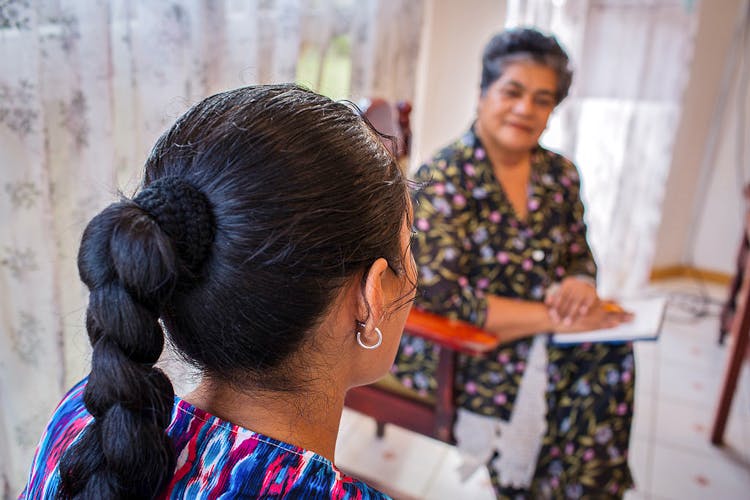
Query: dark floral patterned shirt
470	243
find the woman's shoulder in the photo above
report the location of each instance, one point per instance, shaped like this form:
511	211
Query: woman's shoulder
556	165
448	162
69	419
242	463
248	464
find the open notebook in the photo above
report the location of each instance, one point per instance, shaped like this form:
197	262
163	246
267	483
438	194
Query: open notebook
645	325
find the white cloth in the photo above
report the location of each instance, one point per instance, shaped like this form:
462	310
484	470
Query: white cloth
519	440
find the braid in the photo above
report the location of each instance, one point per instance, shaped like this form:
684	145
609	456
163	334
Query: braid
130	258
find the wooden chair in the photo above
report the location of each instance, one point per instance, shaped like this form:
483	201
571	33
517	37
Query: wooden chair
729	309
391	120
735	321
389	402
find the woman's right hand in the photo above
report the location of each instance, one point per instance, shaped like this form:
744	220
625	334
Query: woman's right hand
603	314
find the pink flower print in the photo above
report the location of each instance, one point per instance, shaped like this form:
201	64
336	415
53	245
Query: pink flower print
622	408
554	451
495	217
483	283
439	188
558	197
503	358
614	488
471	387
575	248
569	449
626	376
462	281
423	224
554	482
565	181
469	169
520	366
500	398
407	382
588	455
533	204
459	200
479	154
560	271
502	257
527	265
408	350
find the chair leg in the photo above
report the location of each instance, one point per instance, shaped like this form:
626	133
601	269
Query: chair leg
380	429
445	411
741	333
730	306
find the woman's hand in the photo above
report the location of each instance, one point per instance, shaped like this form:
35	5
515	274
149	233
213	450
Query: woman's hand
571	299
603	314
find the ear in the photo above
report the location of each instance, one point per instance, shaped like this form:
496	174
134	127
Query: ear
371	302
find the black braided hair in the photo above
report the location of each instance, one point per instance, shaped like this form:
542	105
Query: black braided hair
256	207
131	258
525	43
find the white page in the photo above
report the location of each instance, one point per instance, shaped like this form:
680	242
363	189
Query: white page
645	325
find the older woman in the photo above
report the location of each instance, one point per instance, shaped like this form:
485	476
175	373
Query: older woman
502	244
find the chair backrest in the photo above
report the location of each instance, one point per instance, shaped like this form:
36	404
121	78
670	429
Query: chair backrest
391	120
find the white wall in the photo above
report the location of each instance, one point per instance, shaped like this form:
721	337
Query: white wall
722	217
448	71
697	230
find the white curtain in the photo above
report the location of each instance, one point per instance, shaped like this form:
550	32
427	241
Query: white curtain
631	61
86	87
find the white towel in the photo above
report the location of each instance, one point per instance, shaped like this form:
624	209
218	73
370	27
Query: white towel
517	441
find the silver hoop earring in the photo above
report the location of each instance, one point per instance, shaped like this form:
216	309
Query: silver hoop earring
375	345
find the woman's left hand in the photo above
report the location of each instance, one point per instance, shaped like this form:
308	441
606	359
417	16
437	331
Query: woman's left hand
572	298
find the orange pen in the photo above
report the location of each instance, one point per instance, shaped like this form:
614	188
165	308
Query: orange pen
612	307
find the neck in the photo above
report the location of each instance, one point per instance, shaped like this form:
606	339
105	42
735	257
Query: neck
501	157
308	419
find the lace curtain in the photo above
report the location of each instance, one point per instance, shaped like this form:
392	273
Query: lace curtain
631	63
86	87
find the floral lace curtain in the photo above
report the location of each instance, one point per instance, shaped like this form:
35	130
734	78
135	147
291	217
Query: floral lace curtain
631	63
86	87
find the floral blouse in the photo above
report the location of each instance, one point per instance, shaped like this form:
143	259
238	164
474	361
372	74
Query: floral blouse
470	243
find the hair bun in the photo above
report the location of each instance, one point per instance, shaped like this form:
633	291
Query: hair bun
184	213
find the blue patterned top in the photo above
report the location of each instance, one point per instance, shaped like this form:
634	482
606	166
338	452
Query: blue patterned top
215	459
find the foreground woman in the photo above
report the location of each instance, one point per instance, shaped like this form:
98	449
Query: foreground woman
270	243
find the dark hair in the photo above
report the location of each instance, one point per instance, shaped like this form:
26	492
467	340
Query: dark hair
525	44
290	195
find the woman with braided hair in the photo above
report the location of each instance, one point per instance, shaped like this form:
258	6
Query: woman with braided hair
270	242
